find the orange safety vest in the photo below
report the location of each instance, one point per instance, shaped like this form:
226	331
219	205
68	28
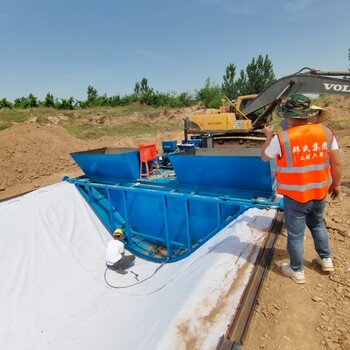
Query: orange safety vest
303	169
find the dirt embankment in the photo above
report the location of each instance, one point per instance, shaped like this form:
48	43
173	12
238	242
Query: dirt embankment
313	316
34	155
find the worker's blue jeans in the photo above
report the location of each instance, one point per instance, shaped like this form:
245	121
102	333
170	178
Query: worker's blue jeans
297	217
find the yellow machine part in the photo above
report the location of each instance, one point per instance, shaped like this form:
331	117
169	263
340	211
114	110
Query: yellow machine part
244	124
219	121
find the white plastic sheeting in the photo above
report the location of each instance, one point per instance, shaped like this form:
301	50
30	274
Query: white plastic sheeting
53	294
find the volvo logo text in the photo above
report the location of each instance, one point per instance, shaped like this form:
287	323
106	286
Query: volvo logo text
337	87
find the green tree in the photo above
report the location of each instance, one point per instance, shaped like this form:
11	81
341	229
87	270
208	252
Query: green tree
144	93
211	94
259	75
21	102
142	88
137	89
185	99
49	101
26	102
92	96
241	84
65	103
5	104
32	101
91	93
114	101
229	87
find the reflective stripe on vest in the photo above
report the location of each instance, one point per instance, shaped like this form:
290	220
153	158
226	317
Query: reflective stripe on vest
303	168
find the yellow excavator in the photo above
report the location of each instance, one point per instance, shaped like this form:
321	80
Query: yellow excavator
245	118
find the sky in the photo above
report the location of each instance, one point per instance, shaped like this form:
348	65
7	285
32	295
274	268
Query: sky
62	47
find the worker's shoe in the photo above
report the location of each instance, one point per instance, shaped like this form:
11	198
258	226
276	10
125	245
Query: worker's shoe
326	264
296	276
121	271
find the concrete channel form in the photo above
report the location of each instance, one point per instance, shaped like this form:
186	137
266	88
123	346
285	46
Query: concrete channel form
167	218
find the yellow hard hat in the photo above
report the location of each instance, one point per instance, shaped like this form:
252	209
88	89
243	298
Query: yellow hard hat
118	232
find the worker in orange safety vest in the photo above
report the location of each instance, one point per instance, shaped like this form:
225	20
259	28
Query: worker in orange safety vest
308	167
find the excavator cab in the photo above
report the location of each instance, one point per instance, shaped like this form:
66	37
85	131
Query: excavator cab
243	102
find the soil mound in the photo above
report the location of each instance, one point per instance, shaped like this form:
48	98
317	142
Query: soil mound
34	155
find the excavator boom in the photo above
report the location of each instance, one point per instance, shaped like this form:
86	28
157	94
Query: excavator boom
311	82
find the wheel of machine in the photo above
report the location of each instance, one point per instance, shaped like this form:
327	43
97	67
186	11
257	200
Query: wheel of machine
241	141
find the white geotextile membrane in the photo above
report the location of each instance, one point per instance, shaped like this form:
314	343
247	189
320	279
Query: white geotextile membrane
53	294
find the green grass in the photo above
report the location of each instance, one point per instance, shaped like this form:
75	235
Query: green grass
90	132
127	110
135	129
10	117
77	121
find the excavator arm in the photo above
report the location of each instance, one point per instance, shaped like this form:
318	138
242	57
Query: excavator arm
310	82
305	81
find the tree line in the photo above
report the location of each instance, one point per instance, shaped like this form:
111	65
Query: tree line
255	78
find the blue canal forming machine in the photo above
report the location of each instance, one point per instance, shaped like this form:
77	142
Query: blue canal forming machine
168	215
166	218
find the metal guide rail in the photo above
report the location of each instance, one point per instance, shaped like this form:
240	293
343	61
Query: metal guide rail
236	333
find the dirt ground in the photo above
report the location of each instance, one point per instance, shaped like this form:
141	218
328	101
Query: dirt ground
287	316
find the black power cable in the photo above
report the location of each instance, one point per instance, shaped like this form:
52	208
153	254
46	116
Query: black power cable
158	268
136	283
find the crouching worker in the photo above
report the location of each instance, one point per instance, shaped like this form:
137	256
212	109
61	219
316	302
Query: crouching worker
116	259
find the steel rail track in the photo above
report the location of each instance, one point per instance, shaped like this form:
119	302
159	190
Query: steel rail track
235	335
